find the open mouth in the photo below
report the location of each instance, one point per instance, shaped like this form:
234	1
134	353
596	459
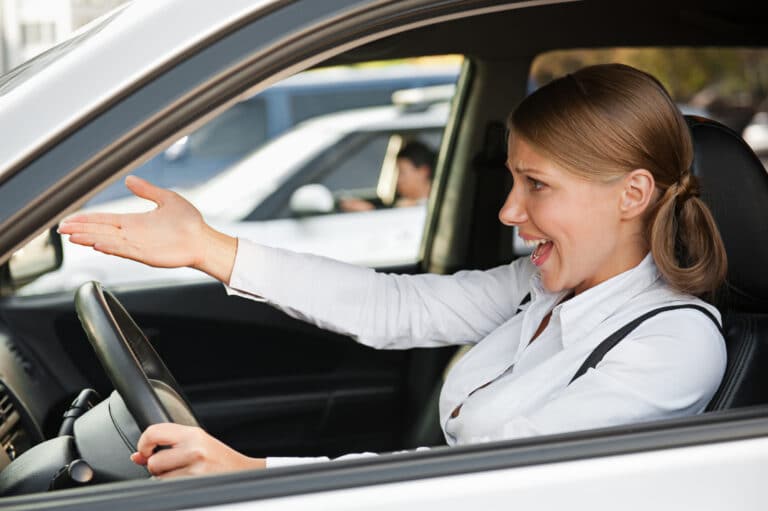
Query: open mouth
542	249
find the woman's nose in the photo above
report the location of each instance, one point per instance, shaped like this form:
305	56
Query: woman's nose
513	211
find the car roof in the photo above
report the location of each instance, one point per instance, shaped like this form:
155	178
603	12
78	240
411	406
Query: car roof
83	73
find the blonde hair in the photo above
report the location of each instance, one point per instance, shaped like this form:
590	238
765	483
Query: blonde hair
604	121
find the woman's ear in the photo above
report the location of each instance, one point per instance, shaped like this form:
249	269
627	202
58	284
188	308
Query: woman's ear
636	195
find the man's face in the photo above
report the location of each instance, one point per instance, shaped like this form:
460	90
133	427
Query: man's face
412	181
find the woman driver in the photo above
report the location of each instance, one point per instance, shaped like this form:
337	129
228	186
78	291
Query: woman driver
603	191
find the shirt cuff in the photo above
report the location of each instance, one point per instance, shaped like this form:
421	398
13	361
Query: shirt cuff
247	253
275	462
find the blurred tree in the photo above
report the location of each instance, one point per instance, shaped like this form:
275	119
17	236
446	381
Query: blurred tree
684	71
731	83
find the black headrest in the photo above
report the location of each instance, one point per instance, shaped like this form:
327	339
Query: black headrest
734	184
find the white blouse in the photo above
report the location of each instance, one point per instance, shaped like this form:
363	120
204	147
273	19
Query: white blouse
669	366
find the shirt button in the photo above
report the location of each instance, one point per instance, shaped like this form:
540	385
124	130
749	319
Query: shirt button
455	412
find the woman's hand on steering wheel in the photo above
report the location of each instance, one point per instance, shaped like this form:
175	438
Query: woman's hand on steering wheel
188	451
172	235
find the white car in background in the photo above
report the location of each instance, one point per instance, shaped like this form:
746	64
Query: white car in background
284	193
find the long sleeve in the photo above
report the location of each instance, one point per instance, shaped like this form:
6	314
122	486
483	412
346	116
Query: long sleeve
381	310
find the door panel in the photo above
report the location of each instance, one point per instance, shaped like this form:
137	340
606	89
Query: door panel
259	380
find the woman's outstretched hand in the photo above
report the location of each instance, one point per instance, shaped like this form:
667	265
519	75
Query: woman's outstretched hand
188	451
172	235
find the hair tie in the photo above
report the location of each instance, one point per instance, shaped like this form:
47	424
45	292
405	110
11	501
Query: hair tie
687	187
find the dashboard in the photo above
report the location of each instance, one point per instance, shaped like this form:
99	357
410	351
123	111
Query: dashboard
28	397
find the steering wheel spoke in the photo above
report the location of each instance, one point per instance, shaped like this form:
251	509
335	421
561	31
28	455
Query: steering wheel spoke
139	375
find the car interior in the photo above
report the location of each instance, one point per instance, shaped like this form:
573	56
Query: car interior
270	385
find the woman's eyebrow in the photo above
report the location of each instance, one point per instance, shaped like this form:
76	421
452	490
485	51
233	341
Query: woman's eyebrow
523	169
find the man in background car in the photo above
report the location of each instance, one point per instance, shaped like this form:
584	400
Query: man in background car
415	164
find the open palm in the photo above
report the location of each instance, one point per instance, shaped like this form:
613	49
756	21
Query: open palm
171	235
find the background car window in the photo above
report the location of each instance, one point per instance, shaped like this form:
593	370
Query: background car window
353	168
359	168
283	190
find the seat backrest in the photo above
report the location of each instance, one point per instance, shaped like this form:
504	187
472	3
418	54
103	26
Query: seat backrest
734	184
746	380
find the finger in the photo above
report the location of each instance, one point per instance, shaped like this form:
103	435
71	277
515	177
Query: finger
90	228
93	218
93	239
146	190
176	459
115	245
138	458
85	239
159	434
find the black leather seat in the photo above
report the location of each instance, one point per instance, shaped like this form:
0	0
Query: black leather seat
735	185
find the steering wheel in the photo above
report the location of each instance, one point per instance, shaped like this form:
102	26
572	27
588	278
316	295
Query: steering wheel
148	388
104	436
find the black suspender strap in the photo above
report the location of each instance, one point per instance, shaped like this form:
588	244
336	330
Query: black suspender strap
612	340
526	299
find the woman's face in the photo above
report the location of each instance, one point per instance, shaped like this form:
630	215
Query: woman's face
576	225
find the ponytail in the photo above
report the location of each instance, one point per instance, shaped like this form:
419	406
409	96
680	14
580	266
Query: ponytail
685	241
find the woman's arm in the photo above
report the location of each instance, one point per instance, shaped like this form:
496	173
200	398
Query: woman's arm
378	309
190	450
385	311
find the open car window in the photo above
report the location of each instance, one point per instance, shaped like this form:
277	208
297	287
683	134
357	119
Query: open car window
279	167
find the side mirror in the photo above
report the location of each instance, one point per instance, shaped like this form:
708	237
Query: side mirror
41	255
311	199
177	150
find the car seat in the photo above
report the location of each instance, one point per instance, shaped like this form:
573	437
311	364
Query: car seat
734	184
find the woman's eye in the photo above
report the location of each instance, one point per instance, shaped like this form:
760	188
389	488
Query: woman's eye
535	184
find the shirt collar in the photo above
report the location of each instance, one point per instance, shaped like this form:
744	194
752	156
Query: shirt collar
582	313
